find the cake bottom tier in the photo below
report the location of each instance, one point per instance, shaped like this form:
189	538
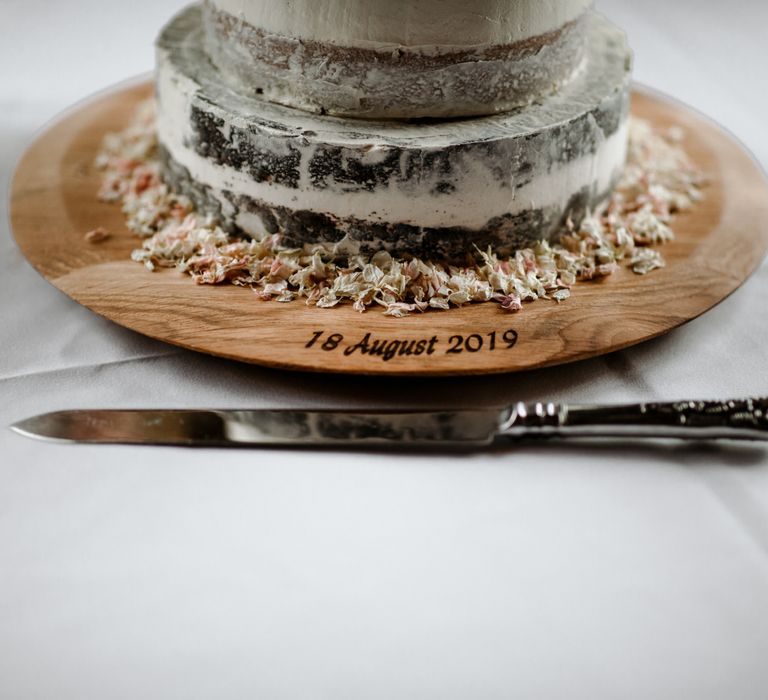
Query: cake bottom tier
433	189
240	213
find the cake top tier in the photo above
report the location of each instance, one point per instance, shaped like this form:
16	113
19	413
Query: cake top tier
407	23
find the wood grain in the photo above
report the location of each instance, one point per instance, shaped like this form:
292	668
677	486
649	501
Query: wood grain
53	204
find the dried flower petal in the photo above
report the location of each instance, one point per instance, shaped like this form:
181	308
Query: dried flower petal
97	235
646	260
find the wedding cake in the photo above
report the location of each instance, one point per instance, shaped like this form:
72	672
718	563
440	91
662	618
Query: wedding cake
420	127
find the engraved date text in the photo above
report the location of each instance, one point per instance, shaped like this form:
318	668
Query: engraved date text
387	349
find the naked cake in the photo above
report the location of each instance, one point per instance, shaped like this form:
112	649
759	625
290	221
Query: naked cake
435	188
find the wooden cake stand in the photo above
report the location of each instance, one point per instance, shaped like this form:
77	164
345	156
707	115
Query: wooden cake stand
53	204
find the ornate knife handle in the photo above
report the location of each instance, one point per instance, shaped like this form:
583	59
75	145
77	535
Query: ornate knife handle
742	419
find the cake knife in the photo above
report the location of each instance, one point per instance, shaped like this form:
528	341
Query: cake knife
742	419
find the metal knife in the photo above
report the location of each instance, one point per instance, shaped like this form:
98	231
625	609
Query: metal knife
742	419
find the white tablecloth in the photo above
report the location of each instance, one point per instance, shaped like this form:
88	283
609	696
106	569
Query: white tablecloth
560	571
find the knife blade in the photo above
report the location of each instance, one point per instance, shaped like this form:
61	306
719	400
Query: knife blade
739	419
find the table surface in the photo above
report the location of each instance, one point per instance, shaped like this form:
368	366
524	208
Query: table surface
557	571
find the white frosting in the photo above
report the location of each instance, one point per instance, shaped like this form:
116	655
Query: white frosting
478	200
407	23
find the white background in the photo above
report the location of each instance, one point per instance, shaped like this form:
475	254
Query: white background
551	572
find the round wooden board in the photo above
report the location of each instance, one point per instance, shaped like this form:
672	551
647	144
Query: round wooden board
53	204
